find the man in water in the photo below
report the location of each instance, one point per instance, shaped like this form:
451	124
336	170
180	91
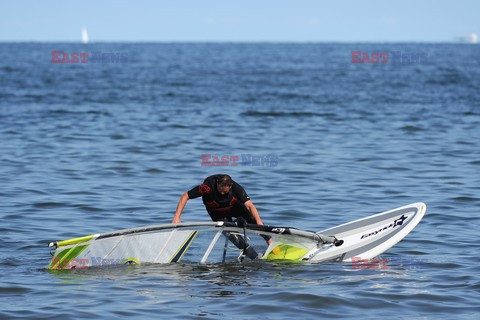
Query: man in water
224	199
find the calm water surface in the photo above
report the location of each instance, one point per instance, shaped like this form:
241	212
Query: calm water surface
87	148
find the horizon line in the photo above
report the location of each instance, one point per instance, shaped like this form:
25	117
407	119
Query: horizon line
241	41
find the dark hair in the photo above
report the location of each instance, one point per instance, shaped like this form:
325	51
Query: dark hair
224	180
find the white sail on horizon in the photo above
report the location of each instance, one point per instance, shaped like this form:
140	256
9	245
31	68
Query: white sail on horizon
473	38
85	38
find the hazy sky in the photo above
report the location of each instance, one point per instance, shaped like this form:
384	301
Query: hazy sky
243	20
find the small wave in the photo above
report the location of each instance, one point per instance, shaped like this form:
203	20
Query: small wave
28	247
395	168
4	229
53	205
56	112
290	214
447	76
50	205
117	137
97	112
465	199
60	112
13	216
280	114
412	253
180	84
154	170
6	96
9	69
80	193
411	128
134	149
427	242
83	207
10	262
119	169
461	142
7	291
444	265
292	96
471	113
36	191
179	126
34	97
303	299
475	286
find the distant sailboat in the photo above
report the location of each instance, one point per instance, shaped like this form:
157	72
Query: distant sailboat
473	38
85	38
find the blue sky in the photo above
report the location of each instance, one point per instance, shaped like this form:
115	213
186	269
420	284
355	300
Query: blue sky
246	20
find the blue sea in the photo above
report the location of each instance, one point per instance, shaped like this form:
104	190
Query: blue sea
94	147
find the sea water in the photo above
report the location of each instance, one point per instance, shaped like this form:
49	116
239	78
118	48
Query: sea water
114	142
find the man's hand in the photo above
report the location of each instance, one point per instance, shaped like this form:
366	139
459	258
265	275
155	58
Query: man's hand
181	204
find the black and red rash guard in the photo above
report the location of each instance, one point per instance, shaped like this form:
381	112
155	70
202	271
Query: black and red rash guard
219	207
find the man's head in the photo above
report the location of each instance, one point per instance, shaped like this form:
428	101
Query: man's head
224	184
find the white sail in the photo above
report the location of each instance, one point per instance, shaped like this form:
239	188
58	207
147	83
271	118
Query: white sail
473	38
198	242
85	38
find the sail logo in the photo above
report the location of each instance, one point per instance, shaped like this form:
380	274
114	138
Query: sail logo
396	222
85	57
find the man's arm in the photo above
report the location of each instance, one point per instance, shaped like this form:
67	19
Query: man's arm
256	216
181	205
253	211
194	193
